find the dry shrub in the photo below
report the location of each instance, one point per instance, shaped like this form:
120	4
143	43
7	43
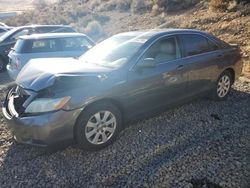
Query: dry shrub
94	30
226	5
123	5
94	3
173	5
41	4
218	4
155	10
138	6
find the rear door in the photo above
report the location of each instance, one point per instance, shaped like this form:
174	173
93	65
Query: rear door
201	60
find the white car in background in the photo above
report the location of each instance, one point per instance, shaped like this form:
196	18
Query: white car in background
46	46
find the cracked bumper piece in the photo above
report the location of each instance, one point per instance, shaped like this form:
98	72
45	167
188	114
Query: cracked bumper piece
44	129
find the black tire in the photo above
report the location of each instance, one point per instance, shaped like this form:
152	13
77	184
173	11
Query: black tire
85	117
2	65
215	92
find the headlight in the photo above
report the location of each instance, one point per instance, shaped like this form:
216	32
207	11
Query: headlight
46	105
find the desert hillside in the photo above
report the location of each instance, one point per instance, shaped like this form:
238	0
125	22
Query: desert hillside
228	19
19	5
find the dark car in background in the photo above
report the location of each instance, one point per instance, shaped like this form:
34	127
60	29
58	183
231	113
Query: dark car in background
89	99
4	30
8	39
44	46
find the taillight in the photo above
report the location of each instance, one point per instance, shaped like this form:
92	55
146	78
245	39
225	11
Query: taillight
17	63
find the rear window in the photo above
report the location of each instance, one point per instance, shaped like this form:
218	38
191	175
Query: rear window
52	45
36	46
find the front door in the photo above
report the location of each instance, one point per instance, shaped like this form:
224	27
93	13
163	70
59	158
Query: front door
151	87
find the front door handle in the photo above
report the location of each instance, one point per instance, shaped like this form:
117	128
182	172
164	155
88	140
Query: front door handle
180	67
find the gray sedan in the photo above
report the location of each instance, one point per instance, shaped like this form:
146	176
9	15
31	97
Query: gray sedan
91	98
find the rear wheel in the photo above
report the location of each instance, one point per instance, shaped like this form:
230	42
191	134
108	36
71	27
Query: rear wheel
223	86
98	126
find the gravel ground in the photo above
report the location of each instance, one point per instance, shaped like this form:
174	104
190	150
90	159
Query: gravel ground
200	144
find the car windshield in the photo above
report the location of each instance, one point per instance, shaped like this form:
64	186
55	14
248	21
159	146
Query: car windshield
7	34
115	51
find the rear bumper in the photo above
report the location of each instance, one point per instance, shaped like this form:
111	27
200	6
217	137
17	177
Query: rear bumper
44	129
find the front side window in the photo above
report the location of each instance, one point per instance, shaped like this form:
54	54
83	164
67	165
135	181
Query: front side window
166	49
195	44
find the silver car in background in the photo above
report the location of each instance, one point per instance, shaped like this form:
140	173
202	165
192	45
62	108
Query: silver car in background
46	46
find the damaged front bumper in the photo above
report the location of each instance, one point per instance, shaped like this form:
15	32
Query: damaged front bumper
41	129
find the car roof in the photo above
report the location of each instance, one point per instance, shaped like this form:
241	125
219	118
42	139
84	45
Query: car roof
36	25
158	32
39	26
51	35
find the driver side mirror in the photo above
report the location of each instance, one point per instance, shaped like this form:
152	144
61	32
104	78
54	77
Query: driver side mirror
147	63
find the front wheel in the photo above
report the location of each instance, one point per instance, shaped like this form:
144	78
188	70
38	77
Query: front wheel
223	86
98	126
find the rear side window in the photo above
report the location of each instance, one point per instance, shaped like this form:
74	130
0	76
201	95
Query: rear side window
195	44
75	43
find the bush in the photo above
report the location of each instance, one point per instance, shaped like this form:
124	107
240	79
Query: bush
41	4
123	5
171	5
94	30
224	5
219	4
140	5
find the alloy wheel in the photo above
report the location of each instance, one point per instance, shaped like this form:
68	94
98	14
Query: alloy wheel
223	86
100	127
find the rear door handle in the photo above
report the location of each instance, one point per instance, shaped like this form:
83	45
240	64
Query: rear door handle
180	67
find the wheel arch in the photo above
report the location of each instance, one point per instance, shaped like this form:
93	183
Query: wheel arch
232	72
114	102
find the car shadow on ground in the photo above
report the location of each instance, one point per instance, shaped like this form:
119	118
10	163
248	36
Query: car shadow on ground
175	148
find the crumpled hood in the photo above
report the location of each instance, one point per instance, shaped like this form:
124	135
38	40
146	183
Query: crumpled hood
42	73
